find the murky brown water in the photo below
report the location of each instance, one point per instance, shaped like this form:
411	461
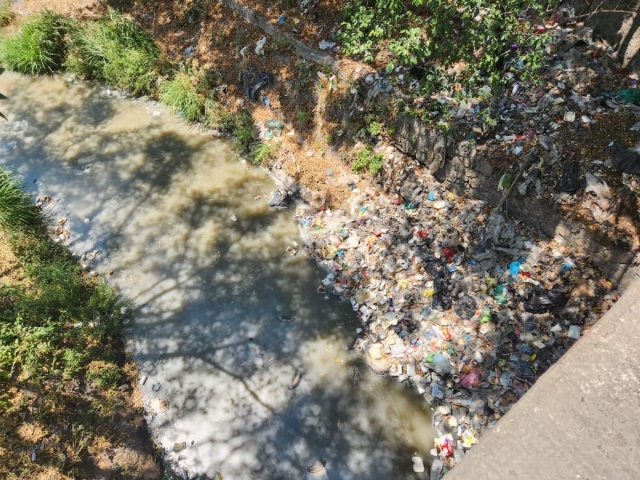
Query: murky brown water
156	199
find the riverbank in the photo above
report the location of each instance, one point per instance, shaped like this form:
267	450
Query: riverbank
69	404
468	306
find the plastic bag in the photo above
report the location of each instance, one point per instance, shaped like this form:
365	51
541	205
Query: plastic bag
627	161
471	379
570	179
544	300
465	308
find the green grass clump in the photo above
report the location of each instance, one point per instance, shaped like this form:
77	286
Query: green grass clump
118	51
16	209
38	47
6	14
182	95
365	160
262	152
244	130
239	125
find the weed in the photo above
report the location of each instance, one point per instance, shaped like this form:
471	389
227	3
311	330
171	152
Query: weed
38	47
244	130
104	374
374	128
279	44
74	362
117	51
240	125
304	70
16	210
194	14
217	117
262	152
6	14
182	96
366	160
303	117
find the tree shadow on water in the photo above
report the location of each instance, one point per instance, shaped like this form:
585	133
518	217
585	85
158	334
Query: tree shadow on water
194	247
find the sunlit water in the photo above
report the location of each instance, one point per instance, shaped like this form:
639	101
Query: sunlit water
155	198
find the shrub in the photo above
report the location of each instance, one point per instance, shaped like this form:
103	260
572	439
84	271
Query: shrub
118	51
38	47
481	37
245	129
16	209
182	96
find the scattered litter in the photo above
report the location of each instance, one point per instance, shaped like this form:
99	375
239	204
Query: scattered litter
260	46
324	45
418	464
297	378
574	332
253	82
279	200
452	299
318	468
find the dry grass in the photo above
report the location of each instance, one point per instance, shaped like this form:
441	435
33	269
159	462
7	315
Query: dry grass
10	270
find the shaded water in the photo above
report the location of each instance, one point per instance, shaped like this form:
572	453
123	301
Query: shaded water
155	198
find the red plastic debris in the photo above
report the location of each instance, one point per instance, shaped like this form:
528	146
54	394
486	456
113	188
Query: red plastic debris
449	253
447	448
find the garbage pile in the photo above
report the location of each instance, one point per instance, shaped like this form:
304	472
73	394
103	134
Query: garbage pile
467	306
580	85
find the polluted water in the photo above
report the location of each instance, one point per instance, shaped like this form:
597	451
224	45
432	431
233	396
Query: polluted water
245	369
